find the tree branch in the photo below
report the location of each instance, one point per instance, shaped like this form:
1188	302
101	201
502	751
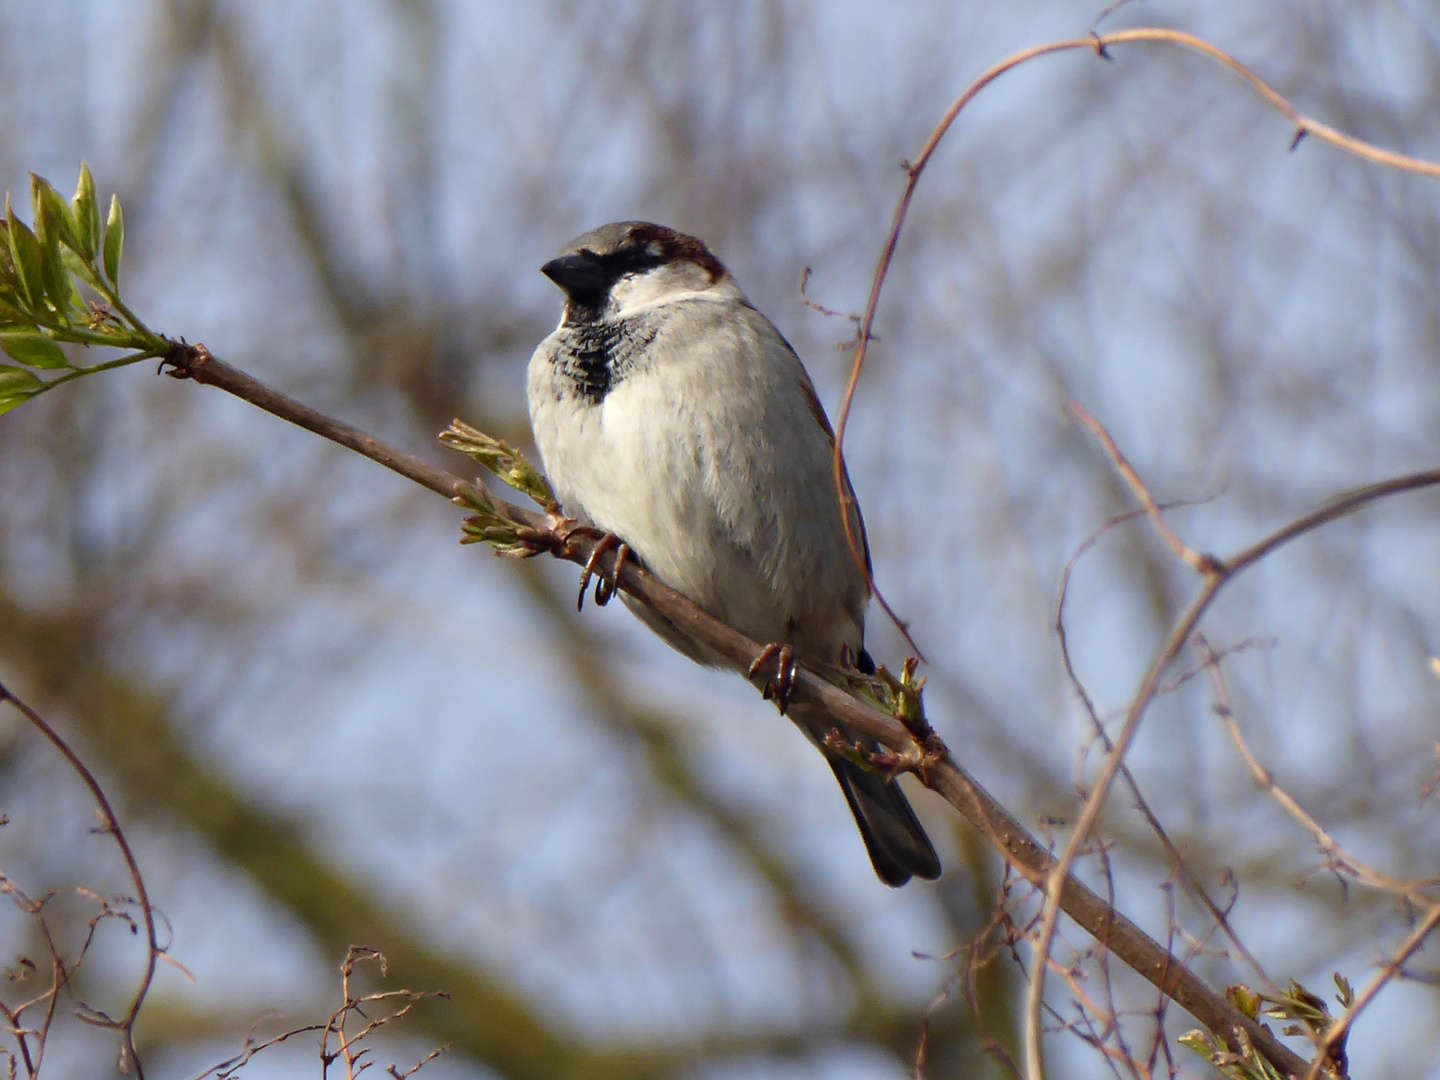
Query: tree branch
1123	938
1215	574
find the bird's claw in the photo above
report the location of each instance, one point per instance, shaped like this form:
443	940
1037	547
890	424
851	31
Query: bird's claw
605	581
779	684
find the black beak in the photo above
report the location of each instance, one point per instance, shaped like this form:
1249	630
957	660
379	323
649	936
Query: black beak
581	276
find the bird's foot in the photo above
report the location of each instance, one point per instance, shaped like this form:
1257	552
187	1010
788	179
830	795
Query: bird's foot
782	681
605	581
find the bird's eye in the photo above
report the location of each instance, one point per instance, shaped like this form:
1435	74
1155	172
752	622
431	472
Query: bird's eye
586	253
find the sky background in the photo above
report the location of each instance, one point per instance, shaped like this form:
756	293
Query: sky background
325	723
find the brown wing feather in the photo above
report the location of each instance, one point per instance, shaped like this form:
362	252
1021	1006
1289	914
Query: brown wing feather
812	402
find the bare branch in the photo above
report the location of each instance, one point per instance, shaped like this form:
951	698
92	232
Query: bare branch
1335	856
1216	574
126	1024
1186	554
1338	1030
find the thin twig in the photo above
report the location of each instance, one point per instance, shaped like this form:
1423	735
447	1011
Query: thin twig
227	1068
829	313
1183	551
1090	812
354	1058
1099	44
1335	855
126	1025
1337	1031
1141	803
1216	573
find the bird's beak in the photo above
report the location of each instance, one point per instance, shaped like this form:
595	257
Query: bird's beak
581	276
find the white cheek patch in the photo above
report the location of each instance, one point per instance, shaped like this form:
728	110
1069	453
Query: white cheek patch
631	291
668	282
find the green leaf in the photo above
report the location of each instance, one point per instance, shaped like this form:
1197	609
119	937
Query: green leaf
114	240
34	350
86	212
77	267
11	317
1244	999
53	219
8	403
7	265
58	286
1346	996
15	381
29	260
500	458
1201	1042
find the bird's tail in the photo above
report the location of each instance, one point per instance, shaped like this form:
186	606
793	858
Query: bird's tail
898	846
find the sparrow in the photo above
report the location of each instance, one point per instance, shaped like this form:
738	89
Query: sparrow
671	414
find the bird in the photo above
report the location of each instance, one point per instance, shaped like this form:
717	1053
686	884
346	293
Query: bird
673	417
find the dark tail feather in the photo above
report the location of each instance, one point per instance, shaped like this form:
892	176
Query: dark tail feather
898	846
